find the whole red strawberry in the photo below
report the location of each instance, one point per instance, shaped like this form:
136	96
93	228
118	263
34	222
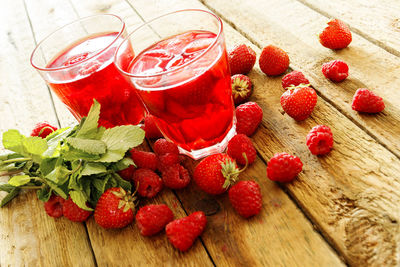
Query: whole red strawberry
294	78
152	219
183	232
320	140
242	88
245	197
167	160
215	173
176	177
249	116
54	206
240	144
273	60
299	101
149	182
144	159
335	70
162	146
75	213
367	101
127	174
283	167
336	36
115	208
150	128
241	59
43	129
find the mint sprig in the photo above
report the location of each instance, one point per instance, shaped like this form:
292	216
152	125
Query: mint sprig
80	162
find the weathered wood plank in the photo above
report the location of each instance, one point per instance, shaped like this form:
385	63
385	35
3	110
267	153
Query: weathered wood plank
28	237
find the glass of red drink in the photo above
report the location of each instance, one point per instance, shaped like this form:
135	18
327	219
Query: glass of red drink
181	74
76	61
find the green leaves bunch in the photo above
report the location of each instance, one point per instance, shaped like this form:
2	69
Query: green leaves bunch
80	162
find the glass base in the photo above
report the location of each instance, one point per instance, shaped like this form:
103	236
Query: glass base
217	148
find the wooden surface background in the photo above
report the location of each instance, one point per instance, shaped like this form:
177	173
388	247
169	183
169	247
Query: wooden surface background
342	209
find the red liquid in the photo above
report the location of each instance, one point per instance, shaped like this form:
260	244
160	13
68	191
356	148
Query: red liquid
96	78
193	107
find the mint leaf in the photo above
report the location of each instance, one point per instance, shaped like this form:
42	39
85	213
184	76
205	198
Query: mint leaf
13	193
122	183
47	165
44	194
112	156
122	138
93	168
54	141
73	154
6	187
35	146
123	164
80	199
12	140
88	127
87	145
19	180
61	190
59	175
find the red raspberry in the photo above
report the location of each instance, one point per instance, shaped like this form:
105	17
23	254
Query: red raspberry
299	102
75	213
54	206
273	60
365	100
167	160
294	78
241	59
144	159
320	140
336	36
127	174
241	88
152	219
151	128
149	182
335	70
240	144
43	129
283	167
183	232
162	146
249	116
245	197
176	177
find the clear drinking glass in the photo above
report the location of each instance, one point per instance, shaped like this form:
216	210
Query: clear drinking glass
181	74
76	61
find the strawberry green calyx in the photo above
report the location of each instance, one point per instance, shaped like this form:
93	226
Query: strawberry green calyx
231	172
302	85
128	200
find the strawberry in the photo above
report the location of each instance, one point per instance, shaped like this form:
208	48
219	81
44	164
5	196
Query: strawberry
241	88
283	167
148	182
320	140
152	219
73	212
299	101
215	173
273	60
54	206
127	174
167	160
335	70
183	232
241	59
365	100
143	159
151	128
240	144
294	78
162	146
248	116
245	197
115	208
43	129
336	36
176	177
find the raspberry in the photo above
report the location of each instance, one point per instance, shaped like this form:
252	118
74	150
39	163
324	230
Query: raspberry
245	197
143	159
167	160
162	146
240	144
43	129
365	100
151	128
283	167
148	181
241	88
152	219
320	140
294	78
127	174
336	36
335	70
75	213
241	59
54	206
176	177
273	60
249	116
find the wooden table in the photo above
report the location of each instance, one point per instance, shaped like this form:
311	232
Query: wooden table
342	209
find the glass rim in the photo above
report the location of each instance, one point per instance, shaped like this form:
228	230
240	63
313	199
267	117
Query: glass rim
36	66
220	28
